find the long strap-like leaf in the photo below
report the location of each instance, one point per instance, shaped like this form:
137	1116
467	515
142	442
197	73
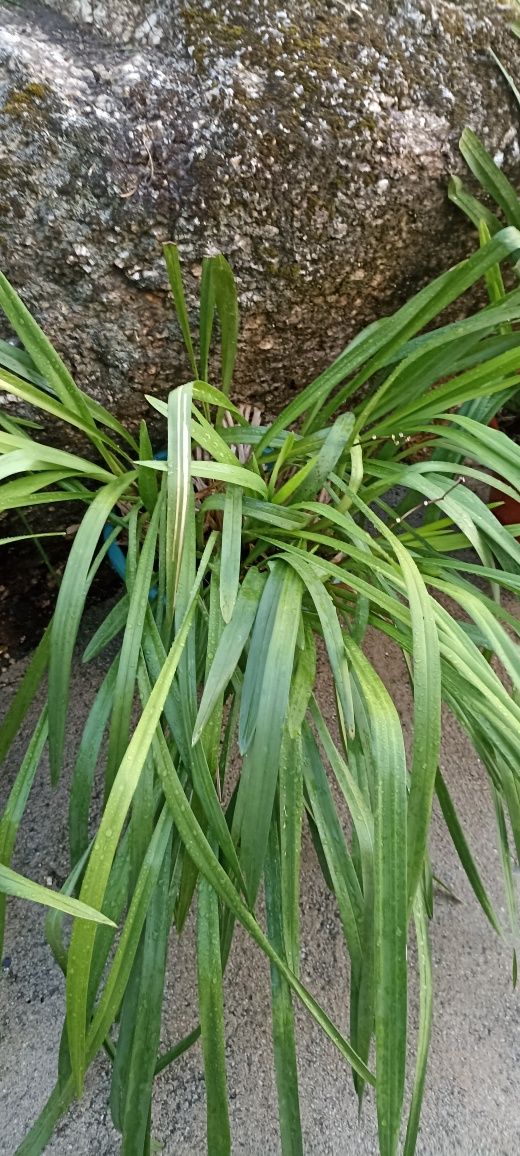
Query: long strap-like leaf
69	608
178	489
284	1043
390	881
98	870
211	1011
11	883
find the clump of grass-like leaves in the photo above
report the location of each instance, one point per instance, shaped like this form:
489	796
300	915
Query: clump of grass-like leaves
238	566
502	195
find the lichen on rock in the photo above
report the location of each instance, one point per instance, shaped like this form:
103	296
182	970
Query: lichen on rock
310	142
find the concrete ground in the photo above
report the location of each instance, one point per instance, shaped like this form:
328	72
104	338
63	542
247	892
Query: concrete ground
472	1101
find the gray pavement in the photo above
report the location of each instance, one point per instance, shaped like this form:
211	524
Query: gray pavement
472	1102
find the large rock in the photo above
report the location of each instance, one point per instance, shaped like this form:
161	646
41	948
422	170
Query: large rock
311	142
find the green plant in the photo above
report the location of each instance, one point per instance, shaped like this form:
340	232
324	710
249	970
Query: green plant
239	567
506	201
11	883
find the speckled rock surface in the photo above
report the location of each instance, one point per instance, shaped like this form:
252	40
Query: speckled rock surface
311	142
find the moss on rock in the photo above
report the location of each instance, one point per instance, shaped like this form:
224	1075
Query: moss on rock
311	142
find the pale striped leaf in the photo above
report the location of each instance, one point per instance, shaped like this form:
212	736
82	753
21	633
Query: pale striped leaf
13	884
290	789
256	792
211	1011
230	647
425	1023
390	888
284	1044
231	551
178	489
69	609
311	573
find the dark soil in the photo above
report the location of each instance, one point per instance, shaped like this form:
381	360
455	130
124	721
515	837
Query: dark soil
509	423
28	590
